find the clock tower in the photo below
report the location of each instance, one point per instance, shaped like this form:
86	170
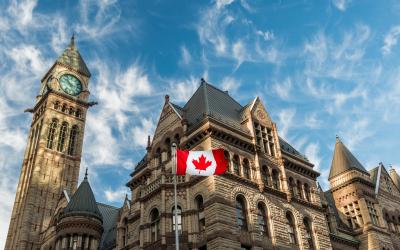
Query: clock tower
53	153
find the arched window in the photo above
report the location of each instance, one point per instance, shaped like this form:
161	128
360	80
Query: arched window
71	111
235	162
262	220
200	213
78	113
52	133
227	159
177	139
178	221
246	169
62	136
275	179
73	137
309	234
291	228
307	192
56	105
241	213
291	186
265	175
64	108
154	225
299	188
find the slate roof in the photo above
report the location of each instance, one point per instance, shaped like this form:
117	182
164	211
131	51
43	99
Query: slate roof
110	215
343	160
72	58
211	101
83	202
218	104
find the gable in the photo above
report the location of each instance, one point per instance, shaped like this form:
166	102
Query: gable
169	118
260	114
386	183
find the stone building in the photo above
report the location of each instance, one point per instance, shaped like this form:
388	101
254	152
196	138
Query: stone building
267	199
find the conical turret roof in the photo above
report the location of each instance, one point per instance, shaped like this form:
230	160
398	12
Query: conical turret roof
83	202
343	160
72	58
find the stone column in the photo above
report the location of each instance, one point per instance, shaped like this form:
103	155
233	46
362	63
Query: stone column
86	246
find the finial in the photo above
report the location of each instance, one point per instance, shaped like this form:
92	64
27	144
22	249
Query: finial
166	98
86	174
73	40
148	141
337	138
126	196
381	164
202	80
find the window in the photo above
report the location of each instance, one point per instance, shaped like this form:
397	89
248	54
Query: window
243	247
246	169
291	228
265	139
236	164
241	213
61	136
57	105
154	225
262	220
307	192
265	175
299	189
291	186
178	219
200	213
309	234
64	108
73	136
228	160
71	111
372	213
78	113
275	179
51	135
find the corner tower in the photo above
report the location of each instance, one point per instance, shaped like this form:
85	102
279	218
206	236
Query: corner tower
353	193
53	153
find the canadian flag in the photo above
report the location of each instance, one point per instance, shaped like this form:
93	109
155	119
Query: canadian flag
203	163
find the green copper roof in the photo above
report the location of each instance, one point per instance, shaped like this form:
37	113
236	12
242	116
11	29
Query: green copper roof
343	160
71	58
83	202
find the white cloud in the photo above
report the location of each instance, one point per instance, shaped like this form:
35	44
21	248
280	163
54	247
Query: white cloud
22	12
186	58
390	40
266	35
182	90
312	121
28	58
140	133
117	195
285	120
239	53
230	84
313	154
283	89
341	4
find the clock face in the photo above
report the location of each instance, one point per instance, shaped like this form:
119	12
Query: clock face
70	84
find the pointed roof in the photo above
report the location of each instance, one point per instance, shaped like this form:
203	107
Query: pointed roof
83	202
72	58
343	160
213	102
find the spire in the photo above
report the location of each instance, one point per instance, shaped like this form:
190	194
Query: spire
83	202
86	174
72	58
343	160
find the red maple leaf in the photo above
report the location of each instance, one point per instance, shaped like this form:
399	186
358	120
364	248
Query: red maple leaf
201	164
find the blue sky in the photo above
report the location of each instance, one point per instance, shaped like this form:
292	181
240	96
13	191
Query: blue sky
321	68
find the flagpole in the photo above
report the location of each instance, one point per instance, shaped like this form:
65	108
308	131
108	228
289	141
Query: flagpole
175	199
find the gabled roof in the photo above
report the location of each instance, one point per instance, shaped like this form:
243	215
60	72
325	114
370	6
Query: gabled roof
83	202
72	58
343	160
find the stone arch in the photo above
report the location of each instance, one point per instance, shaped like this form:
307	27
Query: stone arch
243	191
